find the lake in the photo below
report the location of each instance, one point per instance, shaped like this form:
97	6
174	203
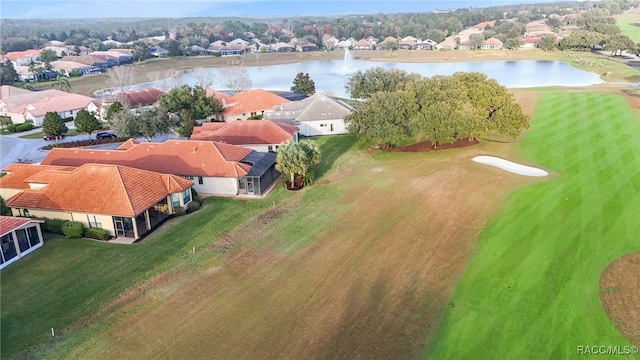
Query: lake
330	76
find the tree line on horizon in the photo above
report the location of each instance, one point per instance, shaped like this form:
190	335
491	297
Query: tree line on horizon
19	35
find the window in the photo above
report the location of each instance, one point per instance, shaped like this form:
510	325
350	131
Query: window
189	177
200	180
23	242
331	127
175	200
93	222
254	113
34	237
270	148
186	196
8	248
25	213
323	125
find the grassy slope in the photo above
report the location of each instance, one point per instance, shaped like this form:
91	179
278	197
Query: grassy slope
629	24
68	280
531	290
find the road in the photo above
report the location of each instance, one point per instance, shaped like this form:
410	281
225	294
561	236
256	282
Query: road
13	148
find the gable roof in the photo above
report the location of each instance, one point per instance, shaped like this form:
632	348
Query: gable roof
139	98
248	101
99	189
18	173
250	132
493	41
314	108
66	102
7	92
10	223
16	100
17	55
180	157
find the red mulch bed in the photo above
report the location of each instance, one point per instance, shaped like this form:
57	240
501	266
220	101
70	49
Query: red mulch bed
427	146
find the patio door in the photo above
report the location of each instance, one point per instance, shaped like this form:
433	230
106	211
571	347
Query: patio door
250	190
119	226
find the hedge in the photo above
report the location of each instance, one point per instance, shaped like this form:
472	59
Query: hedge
100	234
12	127
81	143
73	229
193	206
24	127
54	226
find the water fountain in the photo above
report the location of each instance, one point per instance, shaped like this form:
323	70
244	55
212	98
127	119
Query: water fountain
347	59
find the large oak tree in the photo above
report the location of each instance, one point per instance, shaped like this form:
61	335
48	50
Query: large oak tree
189	104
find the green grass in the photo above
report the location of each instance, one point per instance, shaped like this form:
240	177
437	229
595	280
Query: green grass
40	134
531	290
65	282
629	24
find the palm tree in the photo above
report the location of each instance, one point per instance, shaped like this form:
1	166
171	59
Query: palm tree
62	82
294	158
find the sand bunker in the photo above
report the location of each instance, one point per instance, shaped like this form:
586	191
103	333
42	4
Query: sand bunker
510	166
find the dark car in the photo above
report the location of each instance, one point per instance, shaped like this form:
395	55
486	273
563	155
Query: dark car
105	135
53	137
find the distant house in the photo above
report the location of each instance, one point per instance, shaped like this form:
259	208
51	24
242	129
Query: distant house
491	44
316	115
387	42
406	45
215	168
530	42
426	45
309	47
197	50
447	44
34	105
89	60
157	51
466	45
24	58
363	44
283	47
341	45
138	98
259	135
19	237
245	104
118	56
123	201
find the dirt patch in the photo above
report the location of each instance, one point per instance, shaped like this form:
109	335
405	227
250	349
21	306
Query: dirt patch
427	146
620	295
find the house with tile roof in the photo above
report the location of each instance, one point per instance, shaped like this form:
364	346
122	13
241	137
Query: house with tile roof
363	44
448	43
138	98
34	105
316	115
23	58
245	104
124	201
215	168
19	237
258	135
491	44
14	181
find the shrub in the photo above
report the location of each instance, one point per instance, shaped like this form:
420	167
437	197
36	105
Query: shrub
216	54
179	211
54	226
24	127
75	73
193	206
12	127
308	178
73	229
100	234
80	143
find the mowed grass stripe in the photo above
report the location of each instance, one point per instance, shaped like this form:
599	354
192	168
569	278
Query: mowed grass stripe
531	290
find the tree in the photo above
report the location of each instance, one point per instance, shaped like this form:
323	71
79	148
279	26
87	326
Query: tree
234	79
204	77
146	123
86	122
113	109
548	42
383	119
4	209
121	78
303	84
62	83
8	74
189	104
5	121
476	40
53	125
294	158
620	43
362	85
514	43
47	56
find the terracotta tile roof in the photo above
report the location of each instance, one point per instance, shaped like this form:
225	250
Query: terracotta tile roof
493	41
128	144
248	101
62	103
250	132
8	223
139	98
18	173
16	55
84	59
18	100
99	189
7	91
180	157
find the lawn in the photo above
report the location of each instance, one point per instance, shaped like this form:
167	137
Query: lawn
39	135
629	24
532	288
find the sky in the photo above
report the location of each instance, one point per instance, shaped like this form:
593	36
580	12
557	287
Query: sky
56	9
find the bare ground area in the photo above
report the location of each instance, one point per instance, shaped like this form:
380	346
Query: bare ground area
620	295
372	284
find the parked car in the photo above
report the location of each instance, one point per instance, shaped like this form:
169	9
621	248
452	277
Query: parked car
105	135
53	137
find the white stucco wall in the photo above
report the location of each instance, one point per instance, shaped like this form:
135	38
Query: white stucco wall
316	128
216	186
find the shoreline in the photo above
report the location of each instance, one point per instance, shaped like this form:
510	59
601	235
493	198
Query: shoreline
611	70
